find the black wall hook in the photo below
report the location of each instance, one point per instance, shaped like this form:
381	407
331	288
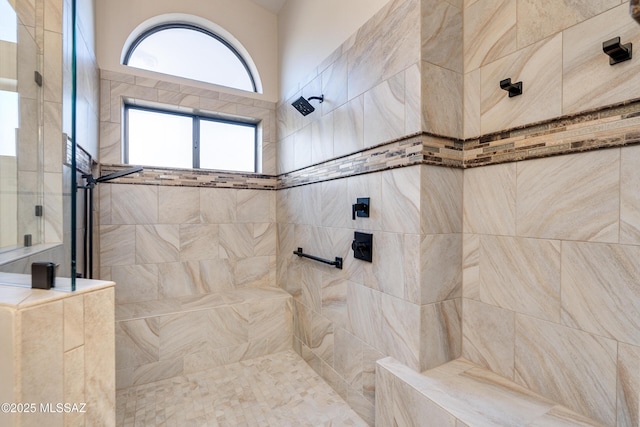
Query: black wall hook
514	89
617	52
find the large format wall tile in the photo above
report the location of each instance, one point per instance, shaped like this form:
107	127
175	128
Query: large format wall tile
442	112
628	401
571	367
440	333
600	291
629	195
490	200
441	200
348	127
375	55
384	111
489	31
440	261
539	19
178	205
401	200
522	275
572	197
442	34
539	68
588	79
489	337
134	204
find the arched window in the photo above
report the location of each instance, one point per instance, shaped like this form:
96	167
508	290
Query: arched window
190	51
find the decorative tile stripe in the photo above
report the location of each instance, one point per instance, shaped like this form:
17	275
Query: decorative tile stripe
192	178
615	126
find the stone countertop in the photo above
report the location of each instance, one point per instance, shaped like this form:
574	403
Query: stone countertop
16	291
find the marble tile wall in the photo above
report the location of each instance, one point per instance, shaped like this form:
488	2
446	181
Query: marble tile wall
65	353
168	245
405	304
550	278
554	48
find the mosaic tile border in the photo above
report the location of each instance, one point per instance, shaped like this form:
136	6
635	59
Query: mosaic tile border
614	126
192	178
634	9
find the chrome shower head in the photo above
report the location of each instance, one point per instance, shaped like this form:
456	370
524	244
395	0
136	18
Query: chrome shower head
303	105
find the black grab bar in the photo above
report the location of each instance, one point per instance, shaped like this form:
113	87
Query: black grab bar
337	263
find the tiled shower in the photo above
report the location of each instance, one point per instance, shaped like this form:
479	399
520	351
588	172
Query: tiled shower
487	245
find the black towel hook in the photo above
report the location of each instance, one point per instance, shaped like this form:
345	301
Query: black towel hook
617	52
514	89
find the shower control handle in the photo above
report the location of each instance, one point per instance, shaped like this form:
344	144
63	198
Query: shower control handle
360	208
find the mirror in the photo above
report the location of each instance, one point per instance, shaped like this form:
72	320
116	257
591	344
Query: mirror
35	184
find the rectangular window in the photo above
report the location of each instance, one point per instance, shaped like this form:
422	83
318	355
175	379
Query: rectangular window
179	140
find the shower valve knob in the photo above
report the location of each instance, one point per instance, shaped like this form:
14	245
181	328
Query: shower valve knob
361	208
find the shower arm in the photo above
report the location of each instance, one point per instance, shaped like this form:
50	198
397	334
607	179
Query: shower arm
319	98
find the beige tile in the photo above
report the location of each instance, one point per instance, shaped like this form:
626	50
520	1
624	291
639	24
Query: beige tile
236	240
440	275
198	241
74	384
157	243
364	313
178	279
599	289
369	379
471	104
178	205
99	356
384	111
361	405
334	85
334	300
134	204
117	245
384	46
568	366
137	342
335	207
441	200
490	200
41	347
539	19
442	35
110	143
180	334
440	333
254	272
157	371
586	72
471	266
442	111
217	205
401	200
400	329
73	322
628	385
489	31
264	238
348	127
573	197
413	99
135	283
387	271
348	358
522	275
489	337
385	389
539	68
255	206
322	139
302	148
412	408
629	197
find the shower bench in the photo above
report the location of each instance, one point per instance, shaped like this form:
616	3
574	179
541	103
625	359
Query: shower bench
156	340
462	393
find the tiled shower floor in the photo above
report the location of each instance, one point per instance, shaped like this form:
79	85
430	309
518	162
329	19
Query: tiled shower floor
277	390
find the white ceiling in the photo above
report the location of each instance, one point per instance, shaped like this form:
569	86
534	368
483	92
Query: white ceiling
271	5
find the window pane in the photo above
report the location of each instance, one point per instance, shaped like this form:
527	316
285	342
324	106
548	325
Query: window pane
192	54
227	146
160	139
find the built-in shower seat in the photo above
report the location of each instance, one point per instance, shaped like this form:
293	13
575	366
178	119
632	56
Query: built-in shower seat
156	340
460	393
